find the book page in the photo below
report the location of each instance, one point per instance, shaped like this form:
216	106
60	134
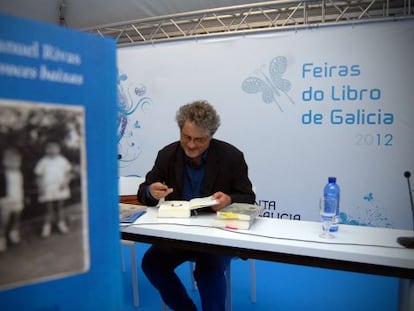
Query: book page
174	209
175	204
202	202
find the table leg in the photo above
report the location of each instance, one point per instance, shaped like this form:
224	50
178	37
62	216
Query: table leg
406	295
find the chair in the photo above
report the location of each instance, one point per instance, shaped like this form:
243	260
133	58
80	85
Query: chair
128	187
134	270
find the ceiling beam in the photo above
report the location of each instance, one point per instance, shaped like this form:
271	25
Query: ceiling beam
256	17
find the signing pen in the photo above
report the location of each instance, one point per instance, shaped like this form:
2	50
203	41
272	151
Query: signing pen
164	185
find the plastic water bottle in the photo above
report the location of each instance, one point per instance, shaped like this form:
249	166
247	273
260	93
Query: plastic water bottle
331	190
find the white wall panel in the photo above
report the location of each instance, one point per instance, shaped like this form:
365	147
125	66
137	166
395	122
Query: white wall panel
289	161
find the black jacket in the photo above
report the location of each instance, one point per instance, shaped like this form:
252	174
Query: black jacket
226	171
2	183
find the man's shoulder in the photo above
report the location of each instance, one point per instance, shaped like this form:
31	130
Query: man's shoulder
170	148
225	147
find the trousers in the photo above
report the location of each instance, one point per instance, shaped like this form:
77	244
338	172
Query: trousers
159	265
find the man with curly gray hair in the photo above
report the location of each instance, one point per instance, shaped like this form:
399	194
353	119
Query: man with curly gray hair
202	114
195	166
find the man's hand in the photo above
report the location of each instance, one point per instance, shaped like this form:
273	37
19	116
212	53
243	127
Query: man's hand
223	199
159	190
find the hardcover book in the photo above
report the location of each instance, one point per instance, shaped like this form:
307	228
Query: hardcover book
128	213
237	216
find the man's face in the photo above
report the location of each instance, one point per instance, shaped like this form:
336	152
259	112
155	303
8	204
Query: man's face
194	140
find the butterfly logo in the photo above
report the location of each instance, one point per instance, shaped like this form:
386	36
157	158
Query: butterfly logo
369	197
272	84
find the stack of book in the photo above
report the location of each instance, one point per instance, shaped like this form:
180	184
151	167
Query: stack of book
237	216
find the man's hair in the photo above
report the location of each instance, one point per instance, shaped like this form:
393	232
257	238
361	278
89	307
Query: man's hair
201	113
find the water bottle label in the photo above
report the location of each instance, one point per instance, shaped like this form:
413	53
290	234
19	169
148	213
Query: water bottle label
335	225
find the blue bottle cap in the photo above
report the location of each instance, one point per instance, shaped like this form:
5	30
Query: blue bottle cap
331	179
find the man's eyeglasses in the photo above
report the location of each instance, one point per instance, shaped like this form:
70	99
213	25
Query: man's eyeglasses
196	140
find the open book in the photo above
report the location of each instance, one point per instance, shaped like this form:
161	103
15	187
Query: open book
182	209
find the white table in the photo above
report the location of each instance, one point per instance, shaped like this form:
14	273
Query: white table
355	248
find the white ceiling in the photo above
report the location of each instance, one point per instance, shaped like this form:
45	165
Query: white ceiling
89	13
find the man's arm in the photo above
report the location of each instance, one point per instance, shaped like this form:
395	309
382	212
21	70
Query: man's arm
2	184
234	185
144	194
153	188
242	190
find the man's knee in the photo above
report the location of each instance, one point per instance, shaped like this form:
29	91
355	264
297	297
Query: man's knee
148	262
157	260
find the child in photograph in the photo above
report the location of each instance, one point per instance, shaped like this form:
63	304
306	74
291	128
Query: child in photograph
11	197
53	172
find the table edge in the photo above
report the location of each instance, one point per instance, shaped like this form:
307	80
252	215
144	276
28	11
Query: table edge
296	259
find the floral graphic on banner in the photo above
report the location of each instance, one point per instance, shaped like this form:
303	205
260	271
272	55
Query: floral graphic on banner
271	84
132	101
369	213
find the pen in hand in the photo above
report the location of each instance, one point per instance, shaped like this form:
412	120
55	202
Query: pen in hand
160	190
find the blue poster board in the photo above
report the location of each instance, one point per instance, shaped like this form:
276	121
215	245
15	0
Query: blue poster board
58	88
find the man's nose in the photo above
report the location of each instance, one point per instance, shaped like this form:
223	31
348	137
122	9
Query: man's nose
191	144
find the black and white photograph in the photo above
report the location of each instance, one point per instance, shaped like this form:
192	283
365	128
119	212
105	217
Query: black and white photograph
43	198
